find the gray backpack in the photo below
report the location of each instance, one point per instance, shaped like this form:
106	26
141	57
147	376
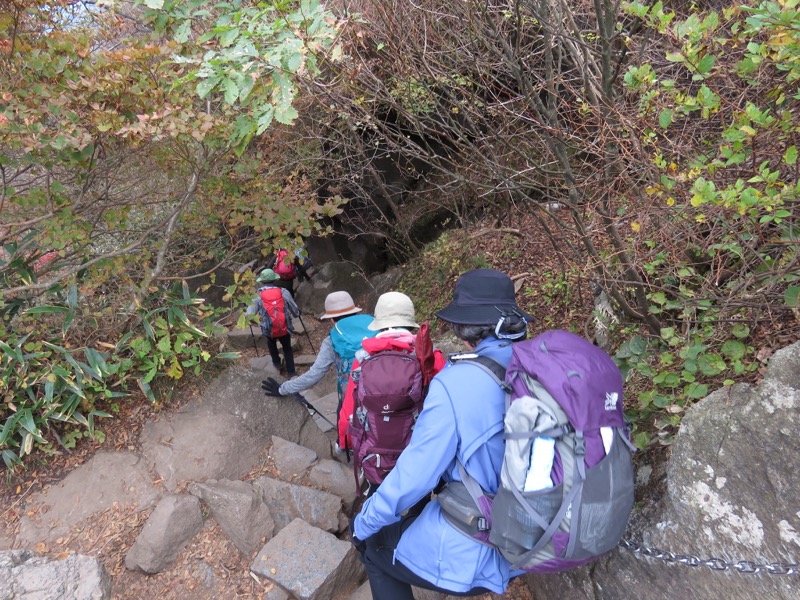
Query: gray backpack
563	395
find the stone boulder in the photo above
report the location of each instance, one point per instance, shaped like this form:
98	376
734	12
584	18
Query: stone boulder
239	510
309	563
24	576
731	493
222	435
336	478
291	460
287	501
106	480
176	519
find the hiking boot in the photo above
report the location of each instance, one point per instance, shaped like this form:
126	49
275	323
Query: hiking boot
282	367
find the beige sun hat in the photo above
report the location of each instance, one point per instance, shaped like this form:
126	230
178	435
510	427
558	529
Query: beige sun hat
393	309
339	304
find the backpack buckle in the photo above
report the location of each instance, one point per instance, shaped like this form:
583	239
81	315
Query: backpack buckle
483	525
579	445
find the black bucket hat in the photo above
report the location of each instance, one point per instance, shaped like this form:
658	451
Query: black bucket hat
482	297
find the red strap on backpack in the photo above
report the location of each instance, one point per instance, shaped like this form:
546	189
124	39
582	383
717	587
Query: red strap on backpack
423	346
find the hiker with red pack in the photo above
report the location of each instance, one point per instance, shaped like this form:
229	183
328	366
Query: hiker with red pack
387	387
288	268
276	307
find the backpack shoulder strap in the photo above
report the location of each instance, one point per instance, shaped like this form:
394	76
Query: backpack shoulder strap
498	373
494	369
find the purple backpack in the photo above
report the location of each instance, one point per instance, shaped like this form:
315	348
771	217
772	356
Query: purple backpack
387	401
566	489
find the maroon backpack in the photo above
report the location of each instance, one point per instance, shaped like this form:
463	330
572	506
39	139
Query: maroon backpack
388	399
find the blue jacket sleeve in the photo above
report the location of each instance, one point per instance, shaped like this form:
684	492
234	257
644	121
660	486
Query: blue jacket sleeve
431	451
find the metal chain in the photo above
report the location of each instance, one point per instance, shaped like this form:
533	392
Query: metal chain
714	563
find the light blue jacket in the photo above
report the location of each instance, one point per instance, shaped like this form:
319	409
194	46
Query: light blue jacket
462	417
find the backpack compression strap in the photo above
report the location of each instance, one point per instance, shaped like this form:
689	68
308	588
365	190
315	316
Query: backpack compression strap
498	373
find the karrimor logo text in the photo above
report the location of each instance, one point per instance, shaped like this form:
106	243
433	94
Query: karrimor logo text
611	400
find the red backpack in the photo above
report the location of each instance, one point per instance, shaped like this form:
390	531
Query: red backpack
284	265
273	318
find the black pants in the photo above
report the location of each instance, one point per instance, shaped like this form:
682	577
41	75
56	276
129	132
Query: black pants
287	284
288	354
393	581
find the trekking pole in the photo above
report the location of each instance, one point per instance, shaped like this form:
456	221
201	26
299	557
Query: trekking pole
301	399
252	335
307	334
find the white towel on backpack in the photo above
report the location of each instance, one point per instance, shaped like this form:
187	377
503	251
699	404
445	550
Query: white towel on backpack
526	414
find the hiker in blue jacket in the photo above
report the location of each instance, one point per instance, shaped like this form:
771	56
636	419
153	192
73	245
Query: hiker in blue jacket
337	349
462	418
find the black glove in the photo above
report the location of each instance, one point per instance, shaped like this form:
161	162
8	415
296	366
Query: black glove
271	387
359	544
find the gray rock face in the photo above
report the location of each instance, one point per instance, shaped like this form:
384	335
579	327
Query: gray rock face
240	511
222	435
336	478
732	494
24	576
292	460
331	277
176	519
107	478
287	501
286	560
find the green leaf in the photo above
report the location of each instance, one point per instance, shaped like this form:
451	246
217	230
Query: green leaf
231	91
662	401
47	310
637	345
181	316
641	440
183	32
790	156
264	119
228	37
285	114
792	296
164	344
665	118
706	64
733	350
154	4
96	361
294	61
740	330
148	329
72	296
696	390
711	364
204	86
